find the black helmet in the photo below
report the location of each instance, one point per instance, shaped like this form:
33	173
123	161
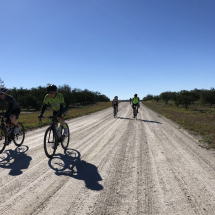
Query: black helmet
3	89
51	87
135	94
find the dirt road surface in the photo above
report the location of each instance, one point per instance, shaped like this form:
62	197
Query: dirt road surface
113	166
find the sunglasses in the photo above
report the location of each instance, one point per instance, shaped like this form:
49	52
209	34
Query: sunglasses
52	92
2	94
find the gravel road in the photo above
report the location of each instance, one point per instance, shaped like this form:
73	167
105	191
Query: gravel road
113	166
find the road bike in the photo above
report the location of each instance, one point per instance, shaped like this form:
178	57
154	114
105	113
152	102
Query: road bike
135	111
7	134
115	110
54	136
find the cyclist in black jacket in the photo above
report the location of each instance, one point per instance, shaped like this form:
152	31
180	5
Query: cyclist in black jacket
12	108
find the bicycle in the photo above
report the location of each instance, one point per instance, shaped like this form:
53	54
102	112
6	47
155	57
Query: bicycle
7	135
53	137
135	111
115	111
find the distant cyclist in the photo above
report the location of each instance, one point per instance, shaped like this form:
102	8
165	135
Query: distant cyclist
135	101
60	108
115	102
12	108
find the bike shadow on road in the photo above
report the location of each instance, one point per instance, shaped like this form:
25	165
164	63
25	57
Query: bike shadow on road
140	120
70	164
149	121
16	160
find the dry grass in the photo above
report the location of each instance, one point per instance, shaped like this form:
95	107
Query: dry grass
30	119
200	119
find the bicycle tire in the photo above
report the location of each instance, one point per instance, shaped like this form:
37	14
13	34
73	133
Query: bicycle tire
2	139
20	136
114	111
65	140
50	139
135	113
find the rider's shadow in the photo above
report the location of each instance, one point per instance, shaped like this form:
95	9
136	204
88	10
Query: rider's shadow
15	160
70	164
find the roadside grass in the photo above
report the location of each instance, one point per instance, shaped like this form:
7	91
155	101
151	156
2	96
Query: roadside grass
30	119
199	119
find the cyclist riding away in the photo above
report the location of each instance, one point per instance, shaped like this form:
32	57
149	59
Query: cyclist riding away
60	108
135	101
12	109
115	102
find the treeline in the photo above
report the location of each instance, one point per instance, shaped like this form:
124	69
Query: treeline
185	97
33	98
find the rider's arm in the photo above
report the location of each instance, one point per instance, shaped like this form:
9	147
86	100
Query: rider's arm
62	102
61	109
7	113
43	109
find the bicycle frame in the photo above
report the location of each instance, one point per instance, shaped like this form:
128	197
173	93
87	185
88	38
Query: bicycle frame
9	132
52	125
135	110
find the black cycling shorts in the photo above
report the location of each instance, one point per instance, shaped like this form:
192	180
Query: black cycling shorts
65	110
15	112
135	105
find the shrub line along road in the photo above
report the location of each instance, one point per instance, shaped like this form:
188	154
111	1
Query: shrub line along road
113	166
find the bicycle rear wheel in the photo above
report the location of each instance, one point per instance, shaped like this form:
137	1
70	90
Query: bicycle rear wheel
50	142
135	113
65	139
2	139
19	138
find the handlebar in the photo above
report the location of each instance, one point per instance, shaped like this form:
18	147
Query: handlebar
47	117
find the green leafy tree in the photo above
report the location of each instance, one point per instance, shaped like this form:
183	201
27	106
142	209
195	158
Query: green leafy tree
148	97
66	91
156	98
176	98
166	96
208	96
186	98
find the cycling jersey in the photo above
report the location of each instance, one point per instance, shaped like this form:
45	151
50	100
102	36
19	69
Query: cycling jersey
135	100
9	104
115	102
55	102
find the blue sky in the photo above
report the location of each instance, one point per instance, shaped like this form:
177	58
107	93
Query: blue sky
116	47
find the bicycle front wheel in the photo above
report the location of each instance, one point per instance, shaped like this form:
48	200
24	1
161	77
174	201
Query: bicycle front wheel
19	138
2	139
65	139
50	142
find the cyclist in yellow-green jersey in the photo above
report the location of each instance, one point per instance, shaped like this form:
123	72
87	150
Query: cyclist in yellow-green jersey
135	102
60	108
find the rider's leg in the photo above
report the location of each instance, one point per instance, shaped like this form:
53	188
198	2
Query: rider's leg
65	110
133	109
138	107
13	119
